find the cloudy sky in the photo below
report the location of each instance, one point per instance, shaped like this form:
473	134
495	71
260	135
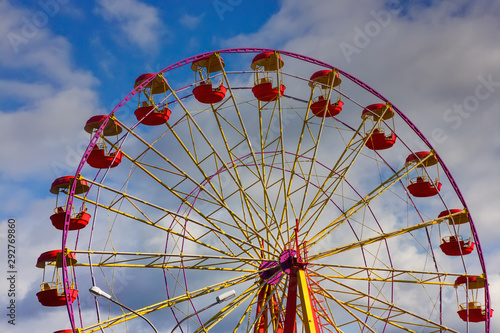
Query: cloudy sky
64	61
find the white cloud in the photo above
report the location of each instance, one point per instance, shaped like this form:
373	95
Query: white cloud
139	22
35	137
191	21
305	28
56	98
28	45
42	129
17	90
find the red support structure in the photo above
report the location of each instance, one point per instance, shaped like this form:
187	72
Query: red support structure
276	315
261	326
291	303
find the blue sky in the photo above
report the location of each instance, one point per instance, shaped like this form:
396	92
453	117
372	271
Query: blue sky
63	61
202	27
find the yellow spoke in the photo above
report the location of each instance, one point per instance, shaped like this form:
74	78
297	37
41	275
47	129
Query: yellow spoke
260	174
182	196
189	261
385	306
233	305
171	231
358	270
170	302
375	239
396	177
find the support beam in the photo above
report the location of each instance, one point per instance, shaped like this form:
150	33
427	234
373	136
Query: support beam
291	303
310	321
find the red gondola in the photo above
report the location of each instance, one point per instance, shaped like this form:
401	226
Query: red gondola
52	293
147	112
473	310
322	105
378	139
151	116
78	220
421	186
456	246
99	158
204	92
263	64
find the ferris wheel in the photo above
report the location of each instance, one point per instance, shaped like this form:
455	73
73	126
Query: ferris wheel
292	194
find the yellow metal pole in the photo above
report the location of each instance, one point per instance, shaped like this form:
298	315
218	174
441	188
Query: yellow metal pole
309	318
